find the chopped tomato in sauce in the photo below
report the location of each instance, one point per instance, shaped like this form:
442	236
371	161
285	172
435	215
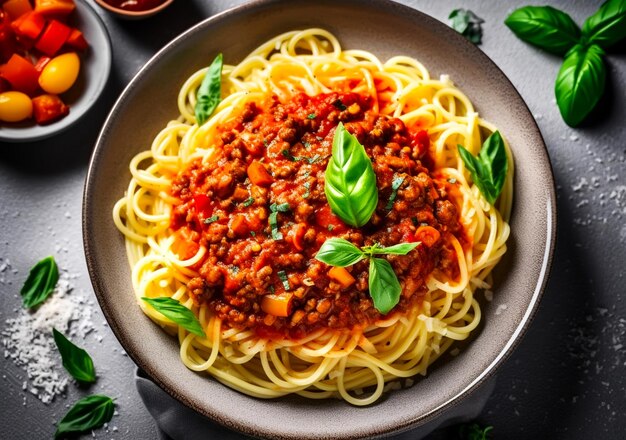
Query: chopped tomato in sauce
262	234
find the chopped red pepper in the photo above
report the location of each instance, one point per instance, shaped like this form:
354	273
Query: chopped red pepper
203	204
30	25
21	74
8	45
53	38
49	108
76	40
41	63
17	8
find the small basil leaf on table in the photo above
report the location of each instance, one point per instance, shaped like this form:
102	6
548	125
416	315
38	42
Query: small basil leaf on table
580	83
209	93
608	25
384	286
88	413
178	313
490	168
76	361
468	24
339	252
350	184
40	283
545	27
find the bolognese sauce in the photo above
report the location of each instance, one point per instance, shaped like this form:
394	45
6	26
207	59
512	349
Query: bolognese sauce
260	210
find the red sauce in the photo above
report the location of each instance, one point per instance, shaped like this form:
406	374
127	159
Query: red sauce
135	5
224	211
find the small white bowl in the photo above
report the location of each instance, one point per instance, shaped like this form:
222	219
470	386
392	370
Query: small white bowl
133	15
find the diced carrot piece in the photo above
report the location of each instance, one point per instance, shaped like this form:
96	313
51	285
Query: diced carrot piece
341	275
296	235
258	174
55	8
17	8
427	235
277	305
239	225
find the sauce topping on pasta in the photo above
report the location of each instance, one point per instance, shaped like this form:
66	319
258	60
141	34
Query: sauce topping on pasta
260	210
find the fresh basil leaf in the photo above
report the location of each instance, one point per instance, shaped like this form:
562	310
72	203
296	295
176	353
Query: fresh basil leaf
350	185
40	283
489	169
396	249
580	83
86	414
178	313
474	432
608	25
545	27
339	252
209	93
284	279
468	24
395	185
384	286
76	361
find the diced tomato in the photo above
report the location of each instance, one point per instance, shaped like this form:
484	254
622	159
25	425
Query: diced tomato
41	63
30	25
326	219
8	45
76	40
21	74
55	8
49	108
203	204
53	38
421	141
17	8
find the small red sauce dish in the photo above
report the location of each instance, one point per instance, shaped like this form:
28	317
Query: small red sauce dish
134	9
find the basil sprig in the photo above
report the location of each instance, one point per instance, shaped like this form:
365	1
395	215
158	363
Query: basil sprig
350	184
383	283
209	93
178	313
580	83
76	361
40	283
581	79
468	24
88	413
545	27
489	169
608	25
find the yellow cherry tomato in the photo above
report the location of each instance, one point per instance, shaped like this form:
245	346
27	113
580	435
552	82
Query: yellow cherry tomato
60	73
15	106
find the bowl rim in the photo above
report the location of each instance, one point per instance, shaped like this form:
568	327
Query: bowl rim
133	14
62	125
420	419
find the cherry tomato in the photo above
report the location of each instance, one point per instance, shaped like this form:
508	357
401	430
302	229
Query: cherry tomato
60	73
15	106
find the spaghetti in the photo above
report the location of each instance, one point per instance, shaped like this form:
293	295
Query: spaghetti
239	250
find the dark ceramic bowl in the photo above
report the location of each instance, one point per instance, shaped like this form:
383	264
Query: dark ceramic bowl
386	29
93	76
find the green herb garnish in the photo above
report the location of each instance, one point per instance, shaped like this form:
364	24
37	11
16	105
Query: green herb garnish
474	431
208	221
40	283
468	24
284	279
249	201
489	169
581	79
273	219
338	104
287	155
88	413
384	286
395	184
307	186
76	361
311	116
350	185
210	91
177	313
